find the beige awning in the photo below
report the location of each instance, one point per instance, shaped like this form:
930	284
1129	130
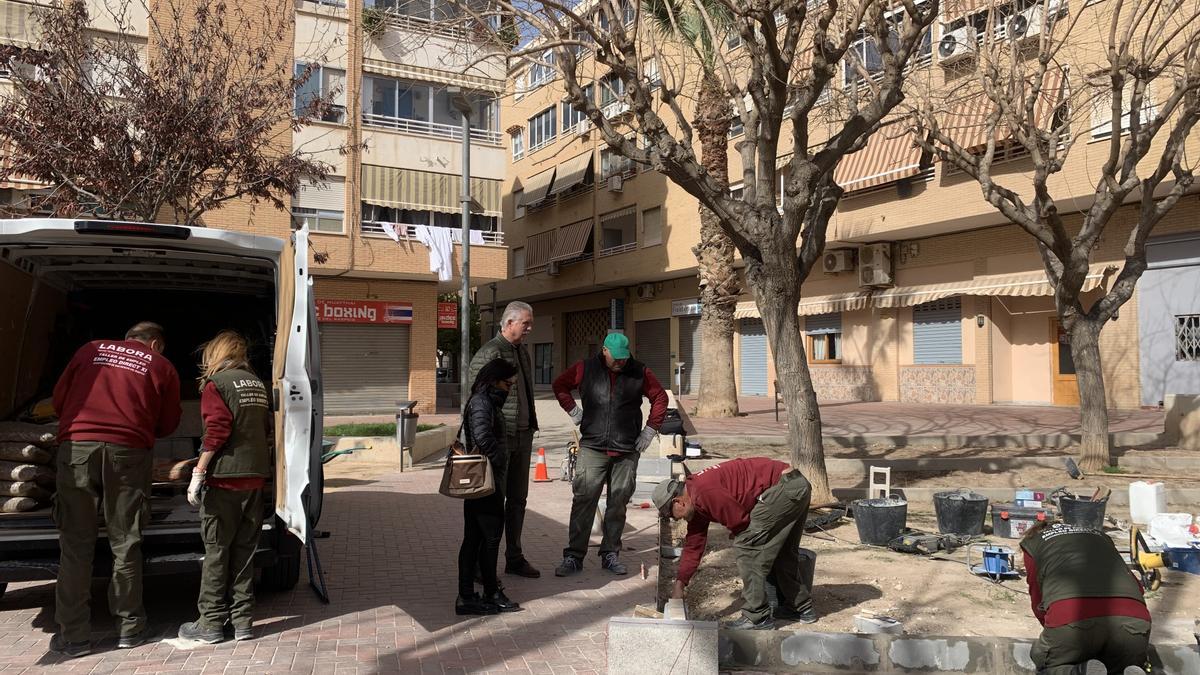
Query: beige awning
17	25
424	190
891	155
572	172
537	188
818	304
1019	284
572	240
966	122
538	248
424	74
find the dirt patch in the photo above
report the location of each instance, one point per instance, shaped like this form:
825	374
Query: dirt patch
886	451
930	597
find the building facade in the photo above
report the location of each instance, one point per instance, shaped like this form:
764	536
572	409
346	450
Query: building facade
926	294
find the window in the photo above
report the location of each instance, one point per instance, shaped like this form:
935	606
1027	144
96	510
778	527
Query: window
373	216
431	10
733	40
628	13
542	70
573	118
1187	337
543	363
618	231
737	192
541	129
317	220
651	72
823	333
868	57
518	207
519	262
736	128
937	332
652	227
322	84
1102	109
519	87
416	108
518	144
613	163
612	92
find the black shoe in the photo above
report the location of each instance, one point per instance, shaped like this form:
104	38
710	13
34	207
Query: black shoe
744	623
522	569
71	650
501	601
136	640
242	634
569	566
196	632
474	606
612	563
805	614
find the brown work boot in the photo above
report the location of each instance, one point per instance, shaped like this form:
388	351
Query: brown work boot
522	569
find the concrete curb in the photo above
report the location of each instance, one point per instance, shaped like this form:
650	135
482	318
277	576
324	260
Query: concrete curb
383	449
1127	439
810	652
1186	498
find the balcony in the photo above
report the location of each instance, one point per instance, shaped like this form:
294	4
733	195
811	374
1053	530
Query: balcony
433	129
373	227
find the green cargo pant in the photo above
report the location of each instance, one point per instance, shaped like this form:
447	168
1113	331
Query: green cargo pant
93	475
519	446
1118	641
230	521
771	543
593	470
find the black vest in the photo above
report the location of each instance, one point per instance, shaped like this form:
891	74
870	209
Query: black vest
1078	562
612	413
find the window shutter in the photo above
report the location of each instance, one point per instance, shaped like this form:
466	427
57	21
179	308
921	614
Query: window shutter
823	324
937	332
327	195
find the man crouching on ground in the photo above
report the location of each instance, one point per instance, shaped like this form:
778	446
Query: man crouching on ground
763	503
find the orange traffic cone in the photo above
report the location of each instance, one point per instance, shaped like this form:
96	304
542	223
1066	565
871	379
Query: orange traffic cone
540	473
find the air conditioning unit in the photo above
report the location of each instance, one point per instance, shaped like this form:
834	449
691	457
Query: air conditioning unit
875	265
957	45
552	268
616	183
841	260
645	291
1026	25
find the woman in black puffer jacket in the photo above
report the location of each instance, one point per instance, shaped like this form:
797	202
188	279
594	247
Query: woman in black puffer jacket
484	517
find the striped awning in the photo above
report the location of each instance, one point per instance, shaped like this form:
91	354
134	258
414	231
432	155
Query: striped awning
537	188
966	123
572	172
890	155
1018	284
818	304
424	74
16	180
538	248
572	240
424	190
17	26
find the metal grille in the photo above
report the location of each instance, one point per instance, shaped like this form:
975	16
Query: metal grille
585	333
1187	337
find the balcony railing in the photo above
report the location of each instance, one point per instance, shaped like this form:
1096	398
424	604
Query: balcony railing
405	231
435	129
615	250
454	28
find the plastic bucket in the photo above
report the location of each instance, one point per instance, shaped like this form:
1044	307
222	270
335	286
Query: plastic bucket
960	512
1082	512
879	521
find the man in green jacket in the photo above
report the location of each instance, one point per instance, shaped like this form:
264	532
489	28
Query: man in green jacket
520	423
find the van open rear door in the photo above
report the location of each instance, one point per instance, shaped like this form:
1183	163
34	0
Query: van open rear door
298	479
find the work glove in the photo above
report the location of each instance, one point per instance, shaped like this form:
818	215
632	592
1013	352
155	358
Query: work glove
576	415
195	486
643	440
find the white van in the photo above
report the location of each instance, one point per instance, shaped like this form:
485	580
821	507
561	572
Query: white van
66	282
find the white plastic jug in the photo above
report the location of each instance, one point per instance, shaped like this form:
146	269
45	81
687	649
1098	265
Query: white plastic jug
1146	500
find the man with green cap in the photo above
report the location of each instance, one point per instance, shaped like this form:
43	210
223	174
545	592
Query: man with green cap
611	386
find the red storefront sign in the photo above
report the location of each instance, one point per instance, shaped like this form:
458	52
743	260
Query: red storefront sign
447	315
363	311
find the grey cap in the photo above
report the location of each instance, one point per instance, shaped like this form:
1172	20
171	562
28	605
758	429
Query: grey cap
664	493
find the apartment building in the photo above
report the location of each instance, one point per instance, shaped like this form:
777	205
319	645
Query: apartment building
925	293
387	220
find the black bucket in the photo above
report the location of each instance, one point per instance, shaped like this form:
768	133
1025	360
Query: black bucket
1082	512
879	521
960	512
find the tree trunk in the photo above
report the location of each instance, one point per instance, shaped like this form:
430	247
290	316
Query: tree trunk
1094	449
776	285
719	286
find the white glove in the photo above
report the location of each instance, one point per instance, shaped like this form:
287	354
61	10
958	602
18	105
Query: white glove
194	487
643	440
576	415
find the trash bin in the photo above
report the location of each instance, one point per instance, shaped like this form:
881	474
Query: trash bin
406	424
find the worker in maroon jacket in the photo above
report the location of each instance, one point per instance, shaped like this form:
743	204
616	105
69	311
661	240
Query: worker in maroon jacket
611	386
763	503
113	400
1089	603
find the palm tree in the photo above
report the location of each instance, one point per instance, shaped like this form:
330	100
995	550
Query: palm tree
720	286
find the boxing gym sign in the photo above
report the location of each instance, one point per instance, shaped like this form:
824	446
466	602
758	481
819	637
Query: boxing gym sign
363	311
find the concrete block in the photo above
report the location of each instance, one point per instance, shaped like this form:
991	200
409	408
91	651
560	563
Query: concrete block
932	654
659	646
1021	658
830	649
1176	659
1182	423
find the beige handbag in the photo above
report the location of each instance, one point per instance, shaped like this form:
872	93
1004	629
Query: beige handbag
466	476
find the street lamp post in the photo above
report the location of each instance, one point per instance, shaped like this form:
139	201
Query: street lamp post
463	105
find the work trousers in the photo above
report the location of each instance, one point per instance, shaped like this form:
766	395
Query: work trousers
770	545
94	475
1118	641
593	470
231	523
483	526
519	446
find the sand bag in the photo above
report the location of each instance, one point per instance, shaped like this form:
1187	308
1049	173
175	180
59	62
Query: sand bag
22	432
17	504
13	471
23	489
24	453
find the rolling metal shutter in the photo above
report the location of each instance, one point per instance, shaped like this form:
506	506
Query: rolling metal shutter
752	358
689	353
365	368
653	347
937	332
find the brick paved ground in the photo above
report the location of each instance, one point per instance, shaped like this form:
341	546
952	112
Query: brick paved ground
390	565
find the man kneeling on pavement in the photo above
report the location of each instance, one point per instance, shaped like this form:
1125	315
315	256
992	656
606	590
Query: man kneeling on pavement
763	503
611	386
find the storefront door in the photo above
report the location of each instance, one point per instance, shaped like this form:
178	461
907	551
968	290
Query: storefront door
1062	367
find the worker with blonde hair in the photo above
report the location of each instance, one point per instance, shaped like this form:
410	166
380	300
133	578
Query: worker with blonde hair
227	485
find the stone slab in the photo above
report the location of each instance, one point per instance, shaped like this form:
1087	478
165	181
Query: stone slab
638	646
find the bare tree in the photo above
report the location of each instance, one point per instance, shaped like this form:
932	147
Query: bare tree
1038	96
200	113
784	82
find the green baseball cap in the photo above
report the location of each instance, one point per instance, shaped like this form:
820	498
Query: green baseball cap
665	493
617	345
